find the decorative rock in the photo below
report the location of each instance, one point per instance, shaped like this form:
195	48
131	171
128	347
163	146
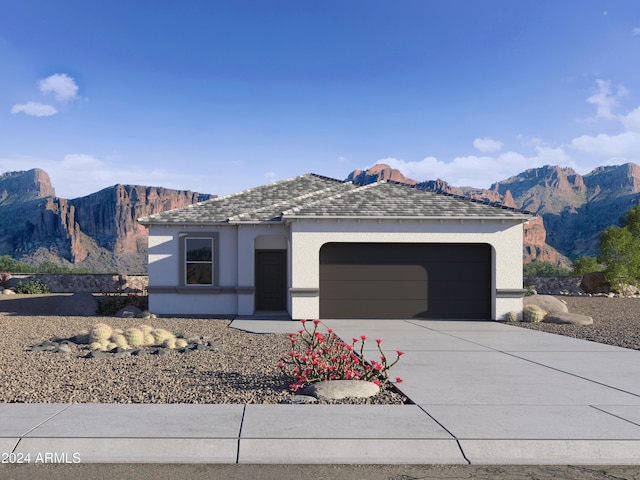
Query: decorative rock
337	389
97	354
129	311
594	282
8	291
301	399
64	348
568	318
80	303
546	302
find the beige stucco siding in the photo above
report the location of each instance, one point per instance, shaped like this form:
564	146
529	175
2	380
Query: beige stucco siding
308	236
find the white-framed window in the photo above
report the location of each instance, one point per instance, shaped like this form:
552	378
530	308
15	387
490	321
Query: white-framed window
199	259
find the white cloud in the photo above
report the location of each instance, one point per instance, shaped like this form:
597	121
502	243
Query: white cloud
631	121
34	109
270	176
61	85
605	100
487	145
624	146
607	148
635	32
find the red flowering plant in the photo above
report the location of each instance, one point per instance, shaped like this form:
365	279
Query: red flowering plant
316	357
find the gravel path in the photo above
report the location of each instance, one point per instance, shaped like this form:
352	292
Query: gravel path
243	371
616	321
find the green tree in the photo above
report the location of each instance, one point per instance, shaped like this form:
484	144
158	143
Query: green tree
585	264
619	251
9	264
631	220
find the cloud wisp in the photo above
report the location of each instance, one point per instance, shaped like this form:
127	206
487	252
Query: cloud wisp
34	109
60	85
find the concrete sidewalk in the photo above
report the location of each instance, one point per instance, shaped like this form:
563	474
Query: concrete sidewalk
484	392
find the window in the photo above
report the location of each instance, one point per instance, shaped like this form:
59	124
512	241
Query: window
199	265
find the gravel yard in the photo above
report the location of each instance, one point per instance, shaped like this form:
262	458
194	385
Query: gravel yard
243	371
616	321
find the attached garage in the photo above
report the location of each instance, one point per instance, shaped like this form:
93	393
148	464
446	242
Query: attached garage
405	280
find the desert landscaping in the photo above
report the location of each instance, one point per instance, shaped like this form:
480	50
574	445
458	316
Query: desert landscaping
243	370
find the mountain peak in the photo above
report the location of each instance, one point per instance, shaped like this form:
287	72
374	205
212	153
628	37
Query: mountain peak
21	186
378	173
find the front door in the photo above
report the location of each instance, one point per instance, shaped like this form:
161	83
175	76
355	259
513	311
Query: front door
271	280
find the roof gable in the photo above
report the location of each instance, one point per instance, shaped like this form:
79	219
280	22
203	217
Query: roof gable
315	196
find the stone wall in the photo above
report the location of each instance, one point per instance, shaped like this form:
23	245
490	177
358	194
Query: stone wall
94	283
554	285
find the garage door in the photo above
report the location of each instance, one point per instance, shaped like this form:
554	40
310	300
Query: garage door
405	280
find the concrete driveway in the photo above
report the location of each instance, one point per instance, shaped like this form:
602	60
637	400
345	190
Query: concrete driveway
483	393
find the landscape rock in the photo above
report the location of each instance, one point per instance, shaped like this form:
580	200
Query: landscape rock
129	311
80	303
337	389
594	282
547	303
64	348
303	399
568	319
8	291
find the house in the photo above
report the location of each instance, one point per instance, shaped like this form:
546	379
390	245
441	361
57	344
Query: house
317	247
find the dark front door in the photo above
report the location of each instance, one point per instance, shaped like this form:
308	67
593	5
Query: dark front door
271	279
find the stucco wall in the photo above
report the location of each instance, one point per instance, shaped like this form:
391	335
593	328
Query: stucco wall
308	236
303	239
233	292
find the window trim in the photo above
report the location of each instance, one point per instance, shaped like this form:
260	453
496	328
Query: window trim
182	281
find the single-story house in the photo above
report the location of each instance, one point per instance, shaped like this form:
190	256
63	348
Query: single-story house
316	247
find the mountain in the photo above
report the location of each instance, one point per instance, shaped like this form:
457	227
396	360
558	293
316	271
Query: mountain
98	231
573	209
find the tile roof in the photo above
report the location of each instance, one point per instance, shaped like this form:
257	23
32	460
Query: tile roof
315	196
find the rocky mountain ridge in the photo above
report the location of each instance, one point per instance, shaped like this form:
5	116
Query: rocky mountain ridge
98	231
573	209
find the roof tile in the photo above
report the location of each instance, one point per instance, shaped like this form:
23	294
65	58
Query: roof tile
313	195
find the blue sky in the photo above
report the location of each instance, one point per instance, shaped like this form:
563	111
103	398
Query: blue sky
219	96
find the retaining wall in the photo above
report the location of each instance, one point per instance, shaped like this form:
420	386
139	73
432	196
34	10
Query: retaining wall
94	282
554	285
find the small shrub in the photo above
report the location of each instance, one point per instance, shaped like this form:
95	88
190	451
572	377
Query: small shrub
316	357
544	269
33	287
4	278
113	302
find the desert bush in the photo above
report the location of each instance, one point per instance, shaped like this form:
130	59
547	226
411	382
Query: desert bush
544	269
33	287
111	303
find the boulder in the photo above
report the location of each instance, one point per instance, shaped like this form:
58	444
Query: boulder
80	303
337	389
547	303
129	311
568	318
594	282
8	291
